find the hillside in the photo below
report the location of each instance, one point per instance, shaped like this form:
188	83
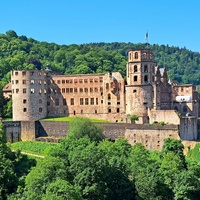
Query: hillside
20	52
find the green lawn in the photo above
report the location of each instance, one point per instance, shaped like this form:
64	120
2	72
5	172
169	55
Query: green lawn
39	148
68	119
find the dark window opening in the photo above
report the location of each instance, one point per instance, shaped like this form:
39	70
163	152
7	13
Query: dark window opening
118	110
145	68
135	78
145	78
135	68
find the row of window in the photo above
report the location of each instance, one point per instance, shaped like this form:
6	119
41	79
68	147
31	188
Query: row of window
32	73
70	81
39	109
32	91
144	55
145	79
31	81
74	90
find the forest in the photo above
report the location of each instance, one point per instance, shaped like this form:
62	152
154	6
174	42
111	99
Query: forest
86	166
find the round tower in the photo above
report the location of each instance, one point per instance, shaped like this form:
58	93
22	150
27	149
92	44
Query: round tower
29	95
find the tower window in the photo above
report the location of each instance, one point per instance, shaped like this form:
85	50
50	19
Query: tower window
145	78
109	97
109	110
135	68
145	68
118	110
135	78
136	55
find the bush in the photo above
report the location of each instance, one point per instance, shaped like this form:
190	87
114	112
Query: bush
134	118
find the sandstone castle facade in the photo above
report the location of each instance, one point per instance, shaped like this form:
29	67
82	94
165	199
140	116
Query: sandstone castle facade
146	93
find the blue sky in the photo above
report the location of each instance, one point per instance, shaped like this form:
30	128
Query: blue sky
172	22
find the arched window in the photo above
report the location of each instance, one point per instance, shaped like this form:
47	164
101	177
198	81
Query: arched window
107	86
130	55
145	68
145	78
135	78
135	68
185	109
109	97
136	55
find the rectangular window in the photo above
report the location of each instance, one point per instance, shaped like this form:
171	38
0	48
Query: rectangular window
57	102
101	79
67	81
75	89
24	101
25	109
80	81
118	110
109	110
81	89
71	90
24	90
75	81
96	80
58	81
40	109
97	101
109	103
32	81
16	82
95	89
70	81
67	90
63	90
86	89
81	101
63	81
95	111
64	102
17	90
48	103
86	101
92	101
72	101
91	80
16	73
91	90
85	81
23	81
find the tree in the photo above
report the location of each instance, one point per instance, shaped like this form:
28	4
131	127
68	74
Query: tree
61	190
83	127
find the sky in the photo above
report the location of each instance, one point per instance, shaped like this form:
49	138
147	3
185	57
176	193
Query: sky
168	22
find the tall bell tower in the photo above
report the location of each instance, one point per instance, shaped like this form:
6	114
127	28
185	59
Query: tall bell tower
140	68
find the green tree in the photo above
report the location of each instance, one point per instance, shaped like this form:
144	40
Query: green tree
83	127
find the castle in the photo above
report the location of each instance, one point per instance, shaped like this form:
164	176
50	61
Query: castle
146	93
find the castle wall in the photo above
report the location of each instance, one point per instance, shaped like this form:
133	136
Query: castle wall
60	129
151	136
167	116
13	131
91	95
28	130
188	128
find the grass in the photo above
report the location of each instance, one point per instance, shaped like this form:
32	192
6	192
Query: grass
68	119
34	147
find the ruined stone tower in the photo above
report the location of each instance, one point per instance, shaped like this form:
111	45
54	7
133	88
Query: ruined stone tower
140	78
29	95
